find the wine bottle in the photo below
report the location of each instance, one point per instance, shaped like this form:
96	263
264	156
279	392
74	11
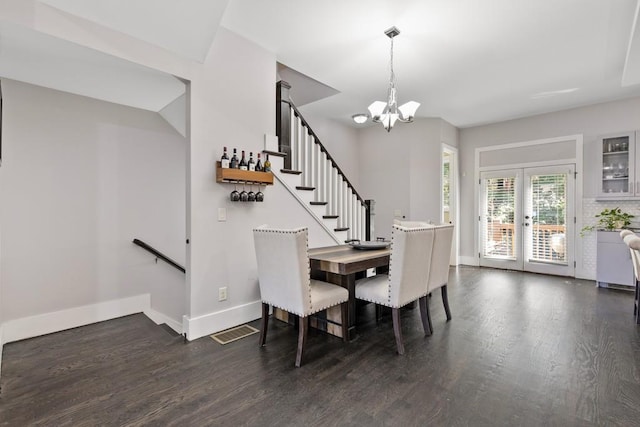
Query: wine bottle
259	164
243	163
233	164
251	164
267	165
224	161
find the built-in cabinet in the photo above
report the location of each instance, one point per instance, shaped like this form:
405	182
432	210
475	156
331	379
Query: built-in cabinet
619	166
614	265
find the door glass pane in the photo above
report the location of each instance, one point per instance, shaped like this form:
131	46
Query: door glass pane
499	237
548	218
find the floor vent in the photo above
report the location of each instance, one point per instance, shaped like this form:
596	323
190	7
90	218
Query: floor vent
234	334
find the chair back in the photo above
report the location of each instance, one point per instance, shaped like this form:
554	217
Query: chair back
633	241
283	268
440	257
410	247
412	224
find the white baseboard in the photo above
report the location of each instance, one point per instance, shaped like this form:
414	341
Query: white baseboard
207	324
159	318
583	274
33	326
468	260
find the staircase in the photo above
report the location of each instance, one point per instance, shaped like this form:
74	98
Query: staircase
312	176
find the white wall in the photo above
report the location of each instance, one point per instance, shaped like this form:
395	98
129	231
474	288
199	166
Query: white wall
231	103
589	121
400	170
81	179
175	114
1	198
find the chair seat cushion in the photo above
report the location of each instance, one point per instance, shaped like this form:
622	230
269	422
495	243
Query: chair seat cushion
325	295
374	289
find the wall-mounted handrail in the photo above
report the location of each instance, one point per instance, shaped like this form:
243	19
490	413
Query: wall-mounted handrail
159	254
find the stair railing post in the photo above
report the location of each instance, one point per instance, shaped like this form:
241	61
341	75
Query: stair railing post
369	224
283	121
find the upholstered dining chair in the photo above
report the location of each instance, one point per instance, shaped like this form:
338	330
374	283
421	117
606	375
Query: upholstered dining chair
439	273
633	242
405	281
285	282
412	224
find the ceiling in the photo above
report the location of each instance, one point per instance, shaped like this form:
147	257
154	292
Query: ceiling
470	62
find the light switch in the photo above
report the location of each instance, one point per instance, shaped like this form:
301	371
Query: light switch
222	214
397	213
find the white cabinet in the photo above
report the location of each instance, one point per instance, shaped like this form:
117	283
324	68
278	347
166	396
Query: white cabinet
614	265
618	167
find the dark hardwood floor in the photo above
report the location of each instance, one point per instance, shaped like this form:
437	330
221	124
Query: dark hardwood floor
522	349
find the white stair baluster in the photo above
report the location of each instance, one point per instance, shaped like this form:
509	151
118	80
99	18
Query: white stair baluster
317	172
300	145
361	220
360	223
312	167
329	194
344	211
339	202
307	160
350	212
322	178
295	141
336	196
356	217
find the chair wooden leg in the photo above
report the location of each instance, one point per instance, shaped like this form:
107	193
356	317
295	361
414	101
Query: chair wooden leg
397	329
378	313
303	325
445	301
265	324
426	309
423	314
344	312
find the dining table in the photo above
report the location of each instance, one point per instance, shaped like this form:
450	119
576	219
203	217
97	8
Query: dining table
342	265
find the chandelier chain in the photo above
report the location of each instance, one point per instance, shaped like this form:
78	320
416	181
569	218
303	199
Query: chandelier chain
392	77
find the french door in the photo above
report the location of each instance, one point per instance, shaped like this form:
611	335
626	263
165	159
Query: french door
527	219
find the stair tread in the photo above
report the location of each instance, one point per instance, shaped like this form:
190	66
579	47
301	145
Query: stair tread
329	216
275	153
301	187
341	229
319	203
290	171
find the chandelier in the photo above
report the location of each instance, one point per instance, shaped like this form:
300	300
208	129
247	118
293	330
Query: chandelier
388	112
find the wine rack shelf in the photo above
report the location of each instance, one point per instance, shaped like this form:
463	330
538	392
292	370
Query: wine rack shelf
243	177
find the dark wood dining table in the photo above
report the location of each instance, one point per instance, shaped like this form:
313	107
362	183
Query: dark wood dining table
341	265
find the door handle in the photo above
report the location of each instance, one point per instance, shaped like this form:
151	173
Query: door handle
526	217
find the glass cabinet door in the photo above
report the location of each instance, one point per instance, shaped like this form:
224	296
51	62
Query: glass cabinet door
617	154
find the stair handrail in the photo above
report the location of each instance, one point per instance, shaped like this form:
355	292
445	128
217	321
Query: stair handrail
159	254
284	137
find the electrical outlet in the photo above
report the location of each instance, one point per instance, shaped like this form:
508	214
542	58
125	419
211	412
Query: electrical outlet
222	294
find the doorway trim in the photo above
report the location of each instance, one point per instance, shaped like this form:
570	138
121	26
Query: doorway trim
454	188
577	159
